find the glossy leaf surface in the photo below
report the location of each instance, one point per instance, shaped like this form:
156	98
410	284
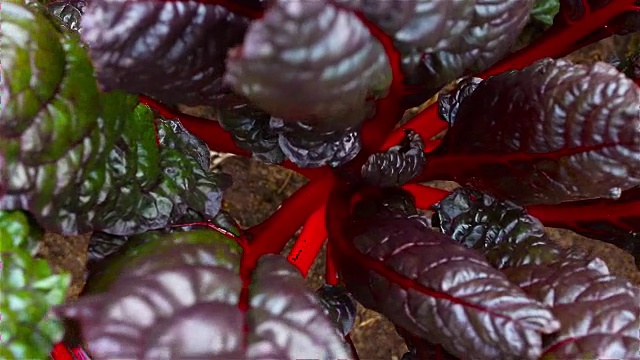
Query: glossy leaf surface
79	159
502	230
184	301
397	165
442	40
545	10
570	131
339	305
171	50
599	312
455	298
324	76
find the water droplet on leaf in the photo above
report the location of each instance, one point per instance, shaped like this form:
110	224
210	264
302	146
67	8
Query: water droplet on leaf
615	193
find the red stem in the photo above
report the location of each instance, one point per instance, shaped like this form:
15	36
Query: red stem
452	166
610	210
207	130
341	234
388	109
308	245
61	352
217	138
554	43
272	235
427	123
430	145
331	272
309	173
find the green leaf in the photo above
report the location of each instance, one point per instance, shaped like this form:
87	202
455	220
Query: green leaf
29	288
545	10
17	231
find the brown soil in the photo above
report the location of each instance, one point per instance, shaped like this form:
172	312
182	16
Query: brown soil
69	254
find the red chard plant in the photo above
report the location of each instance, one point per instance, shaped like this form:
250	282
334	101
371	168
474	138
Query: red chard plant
92	140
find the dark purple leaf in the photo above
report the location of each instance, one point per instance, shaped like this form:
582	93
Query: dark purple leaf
552	132
286	319
185	303
171	50
502	230
310	146
250	129
443	40
445	293
271	139
449	101
390	202
599	312
69	11
397	165
310	61
491	31
339	305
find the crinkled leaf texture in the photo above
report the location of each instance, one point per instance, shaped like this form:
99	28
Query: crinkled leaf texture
442	292
570	131
449	101
321	93
150	186
397	165
443	39
309	61
171	50
497	228
339	305
29	288
50	121
82	160
270	139
599	313
250	129
68	11
309	146
184	303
